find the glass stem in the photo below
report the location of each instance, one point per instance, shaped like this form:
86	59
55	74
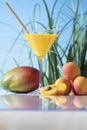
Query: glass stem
40	75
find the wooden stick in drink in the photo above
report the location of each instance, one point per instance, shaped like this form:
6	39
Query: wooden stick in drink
21	23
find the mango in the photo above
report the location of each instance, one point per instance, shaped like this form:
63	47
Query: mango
21	79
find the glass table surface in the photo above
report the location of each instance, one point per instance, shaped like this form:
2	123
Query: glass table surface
17	101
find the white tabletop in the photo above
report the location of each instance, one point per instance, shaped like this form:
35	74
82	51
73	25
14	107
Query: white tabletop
32	120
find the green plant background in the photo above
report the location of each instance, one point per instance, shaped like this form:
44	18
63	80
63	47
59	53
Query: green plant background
72	49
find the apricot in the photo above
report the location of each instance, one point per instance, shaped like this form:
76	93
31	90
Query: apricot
70	70
80	85
49	90
59	89
64	82
63	89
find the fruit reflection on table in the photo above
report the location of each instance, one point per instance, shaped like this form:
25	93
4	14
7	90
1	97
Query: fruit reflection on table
68	102
21	101
27	102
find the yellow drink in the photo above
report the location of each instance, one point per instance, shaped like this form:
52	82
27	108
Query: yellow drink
40	43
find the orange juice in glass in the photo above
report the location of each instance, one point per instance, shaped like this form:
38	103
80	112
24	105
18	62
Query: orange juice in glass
40	43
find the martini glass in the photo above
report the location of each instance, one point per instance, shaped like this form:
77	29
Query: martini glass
40	41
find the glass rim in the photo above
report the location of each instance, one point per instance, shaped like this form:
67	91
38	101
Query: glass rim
35	26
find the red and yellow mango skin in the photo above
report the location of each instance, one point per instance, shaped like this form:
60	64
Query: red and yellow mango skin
21	79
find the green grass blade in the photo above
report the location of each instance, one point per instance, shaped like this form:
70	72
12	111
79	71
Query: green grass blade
17	64
48	14
11	48
36	7
59	13
53	8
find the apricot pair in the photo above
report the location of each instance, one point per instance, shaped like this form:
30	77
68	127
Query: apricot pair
61	87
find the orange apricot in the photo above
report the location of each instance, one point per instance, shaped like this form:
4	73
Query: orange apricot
49	90
63	80
70	70
80	85
60	83
63	89
53	89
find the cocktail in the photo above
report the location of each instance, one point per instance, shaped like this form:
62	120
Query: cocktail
40	40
